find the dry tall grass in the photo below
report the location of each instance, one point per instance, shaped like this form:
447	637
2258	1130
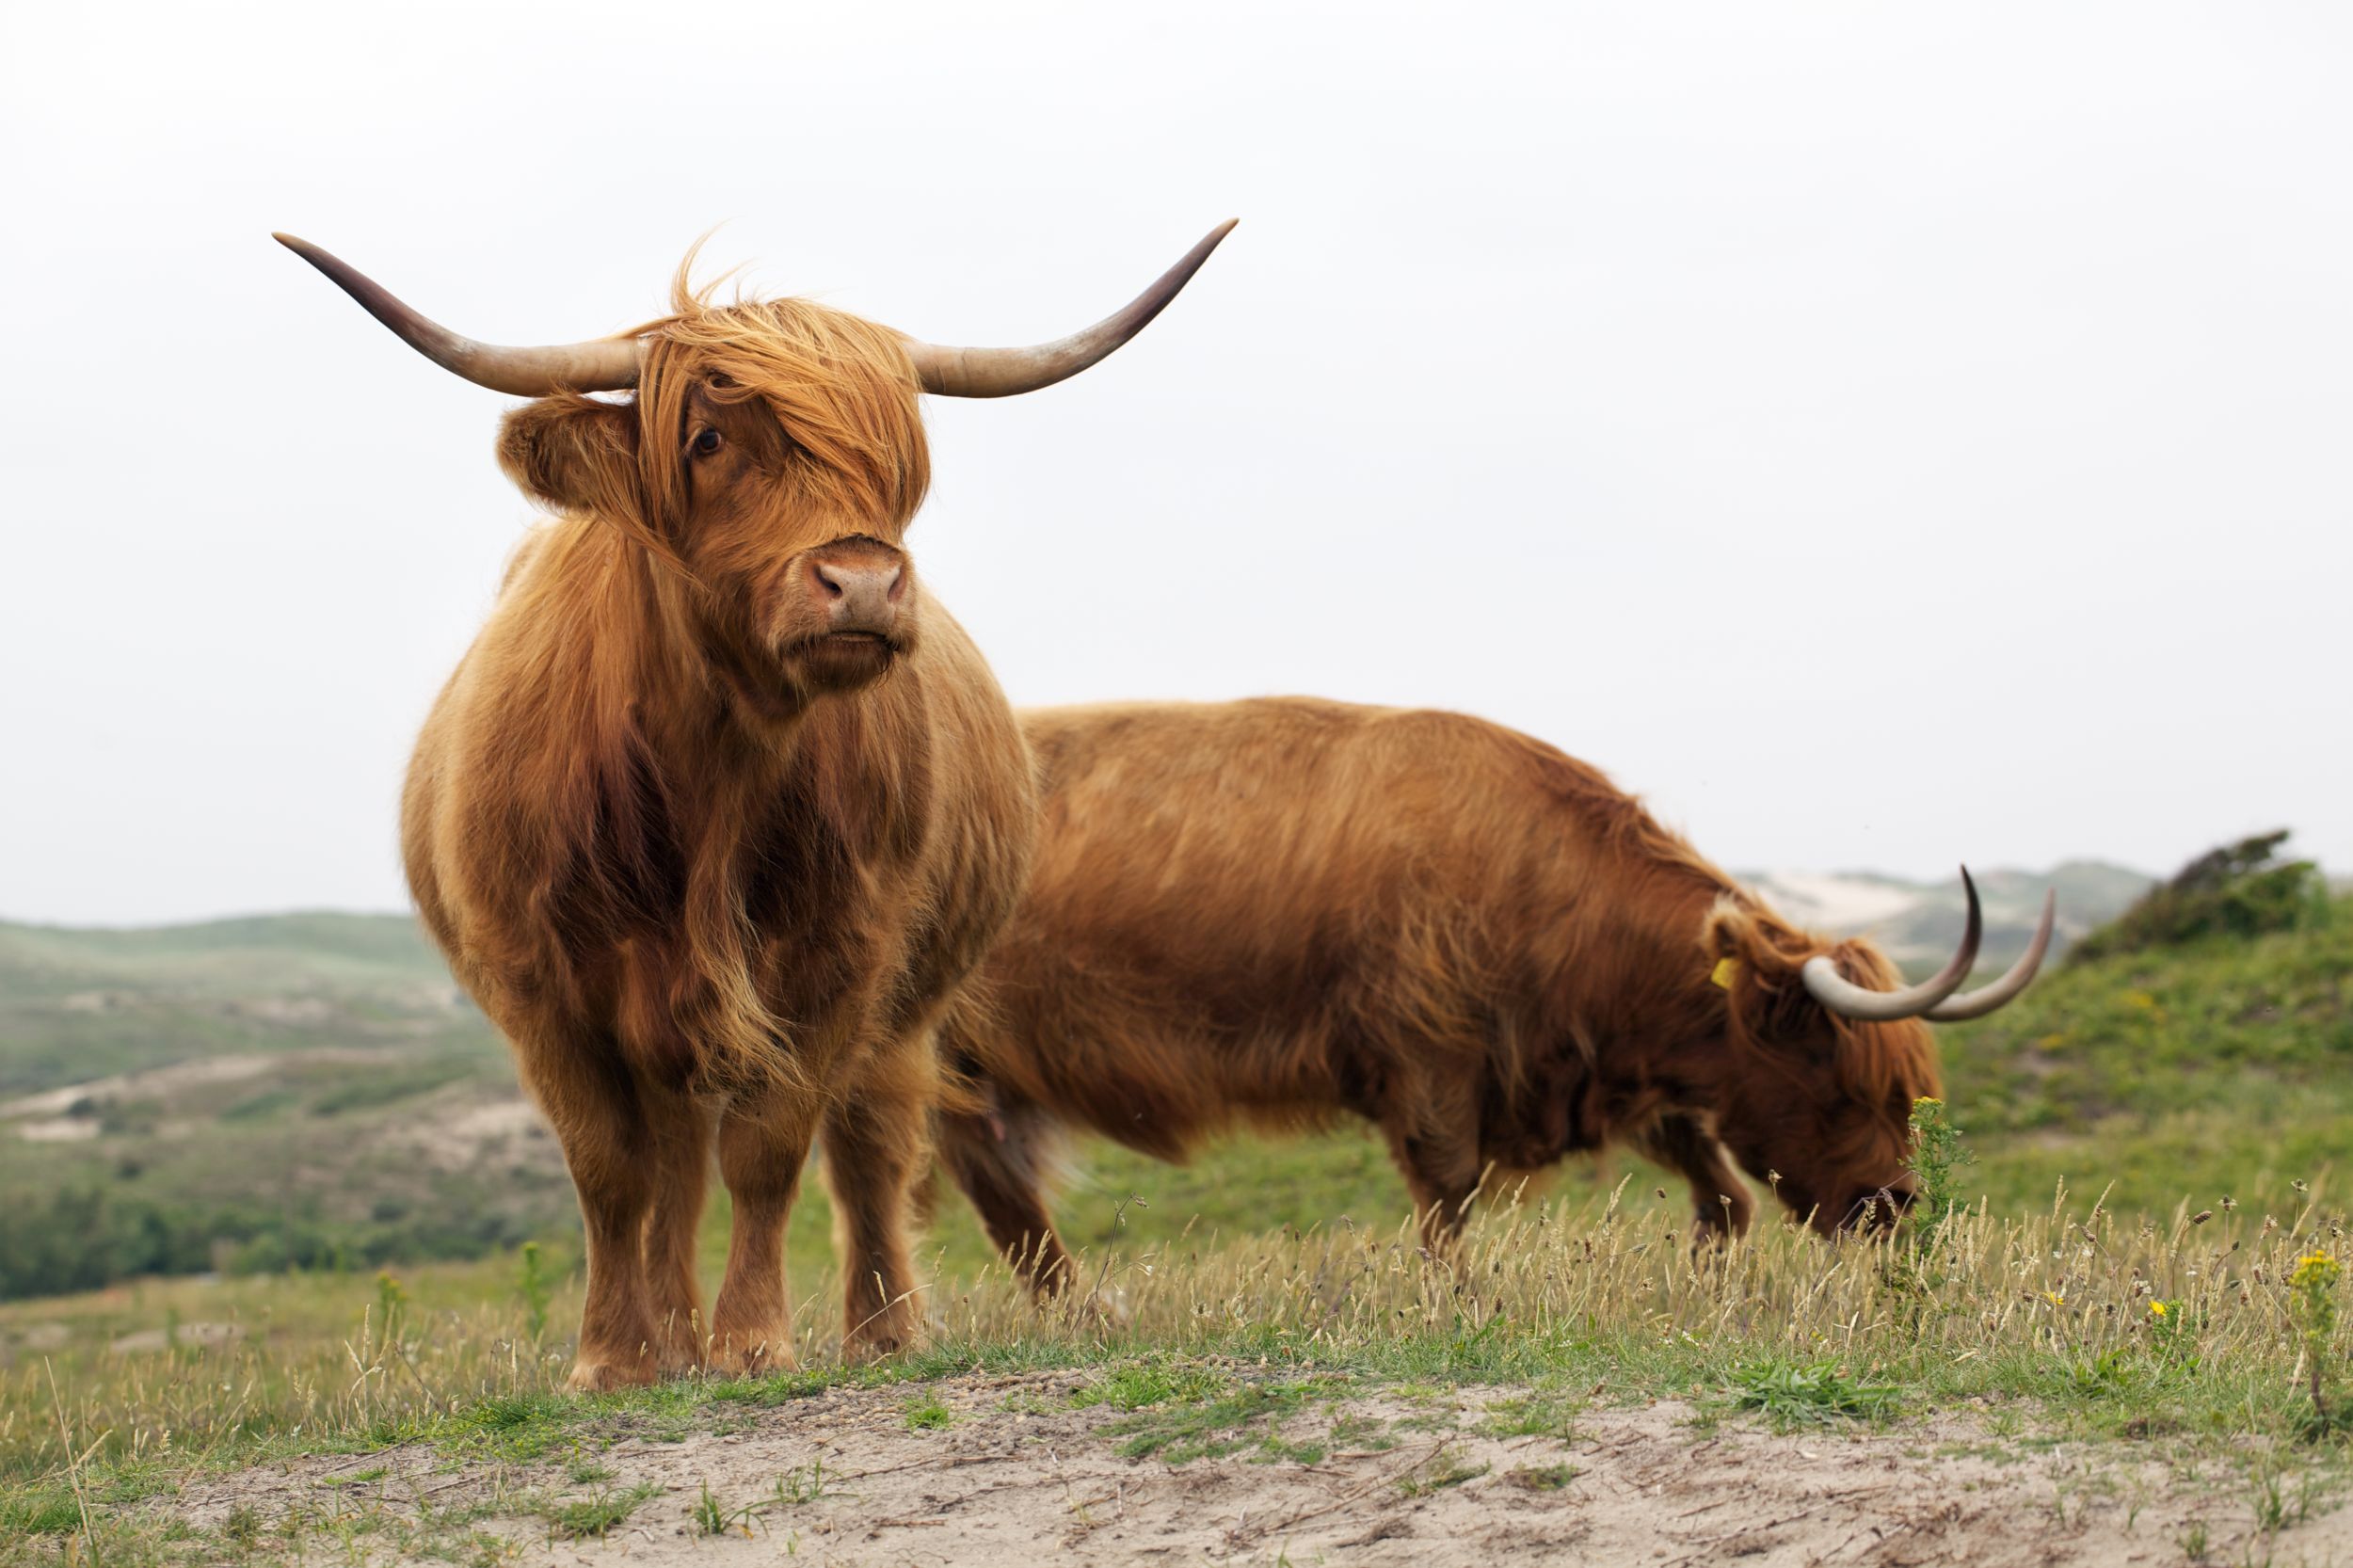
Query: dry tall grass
2190	1324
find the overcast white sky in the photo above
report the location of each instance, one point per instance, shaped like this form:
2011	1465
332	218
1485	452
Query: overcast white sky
1880	435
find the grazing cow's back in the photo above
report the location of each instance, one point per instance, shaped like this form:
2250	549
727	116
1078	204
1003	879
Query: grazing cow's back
1281	910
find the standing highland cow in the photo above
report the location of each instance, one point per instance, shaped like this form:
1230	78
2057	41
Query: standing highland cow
717	813
1277	912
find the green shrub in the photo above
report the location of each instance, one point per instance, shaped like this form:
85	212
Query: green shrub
2242	889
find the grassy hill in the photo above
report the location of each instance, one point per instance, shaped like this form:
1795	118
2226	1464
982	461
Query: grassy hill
248	1093
2222	1067
77	1005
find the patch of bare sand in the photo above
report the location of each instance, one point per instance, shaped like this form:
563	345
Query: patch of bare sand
161	1083
461	1129
1018	1476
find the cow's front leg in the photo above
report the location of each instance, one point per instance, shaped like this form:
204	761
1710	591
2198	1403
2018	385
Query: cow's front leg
764	1141
1434	1137
996	1158
1721	1205
608	1148
876	1145
681	1131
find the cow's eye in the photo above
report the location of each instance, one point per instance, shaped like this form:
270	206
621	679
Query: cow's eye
706	442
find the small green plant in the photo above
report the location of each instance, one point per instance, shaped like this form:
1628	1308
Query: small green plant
535	1289
599	1516
1181	1429
392	1303
803	1484
1938	1158
2312	1313
2274	1507
1443	1469
1535	1415
2173	1333
1541	1477
925	1413
243	1527
713	1518
1794	1394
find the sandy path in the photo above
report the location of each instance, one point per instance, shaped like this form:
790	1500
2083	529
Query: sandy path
1018	1476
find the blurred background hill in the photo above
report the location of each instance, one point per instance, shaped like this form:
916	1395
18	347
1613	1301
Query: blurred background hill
1919	922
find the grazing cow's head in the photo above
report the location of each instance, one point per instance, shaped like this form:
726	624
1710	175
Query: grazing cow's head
770	459
1829	1051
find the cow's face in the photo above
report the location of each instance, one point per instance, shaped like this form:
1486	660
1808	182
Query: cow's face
808	579
771	464
1833	1141
1817	1103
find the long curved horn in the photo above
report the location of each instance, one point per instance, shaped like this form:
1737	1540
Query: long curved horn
1004	372
601	364
1977	1004
1841	995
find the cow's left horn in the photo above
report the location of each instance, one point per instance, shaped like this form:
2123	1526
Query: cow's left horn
1004	372
1840	994
1977	1004
601	364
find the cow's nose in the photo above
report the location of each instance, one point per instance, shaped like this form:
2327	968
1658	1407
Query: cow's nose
860	594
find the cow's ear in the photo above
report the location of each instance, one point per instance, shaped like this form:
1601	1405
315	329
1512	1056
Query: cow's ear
574	453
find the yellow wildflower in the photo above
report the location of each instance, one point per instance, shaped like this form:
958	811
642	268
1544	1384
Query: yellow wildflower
2157	1310
2315	1271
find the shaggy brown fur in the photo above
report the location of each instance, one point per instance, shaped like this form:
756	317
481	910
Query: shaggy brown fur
1276	911
712	864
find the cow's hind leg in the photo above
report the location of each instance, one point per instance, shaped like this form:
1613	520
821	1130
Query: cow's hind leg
997	1158
876	1145
681	1130
763	1142
1721	1205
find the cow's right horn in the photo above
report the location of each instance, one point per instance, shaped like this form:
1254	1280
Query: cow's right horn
1987	999
1006	371
1843	996
601	364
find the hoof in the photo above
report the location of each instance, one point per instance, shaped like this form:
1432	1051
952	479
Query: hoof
597	1377
879	1343
733	1358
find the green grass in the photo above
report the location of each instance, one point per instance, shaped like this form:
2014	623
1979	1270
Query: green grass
925	1413
1793	1394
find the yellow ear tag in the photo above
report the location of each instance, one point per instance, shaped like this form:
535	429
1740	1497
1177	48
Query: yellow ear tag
1722	976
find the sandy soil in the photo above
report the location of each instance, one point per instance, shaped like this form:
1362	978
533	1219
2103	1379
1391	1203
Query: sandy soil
1018	1476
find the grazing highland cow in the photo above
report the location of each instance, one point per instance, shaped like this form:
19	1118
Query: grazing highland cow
1274	912
718	813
